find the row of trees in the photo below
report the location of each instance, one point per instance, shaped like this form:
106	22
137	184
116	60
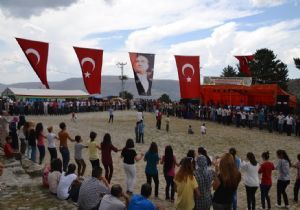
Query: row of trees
265	69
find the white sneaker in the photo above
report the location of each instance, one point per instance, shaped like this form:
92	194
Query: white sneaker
278	206
287	207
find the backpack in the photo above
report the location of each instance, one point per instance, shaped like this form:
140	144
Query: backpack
74	190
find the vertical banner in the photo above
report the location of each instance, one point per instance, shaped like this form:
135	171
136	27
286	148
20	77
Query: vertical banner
90	61
143	68
189	76
37	55
244	63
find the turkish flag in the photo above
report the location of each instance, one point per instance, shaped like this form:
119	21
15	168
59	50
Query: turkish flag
90	61
244	63
37	55
189	76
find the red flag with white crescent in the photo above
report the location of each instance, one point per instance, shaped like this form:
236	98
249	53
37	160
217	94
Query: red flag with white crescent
189	76
37	55
90	61
244	63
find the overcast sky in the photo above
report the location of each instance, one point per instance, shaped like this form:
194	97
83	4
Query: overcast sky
214	29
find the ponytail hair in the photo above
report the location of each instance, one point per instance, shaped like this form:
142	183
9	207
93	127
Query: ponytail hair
283	155
251	158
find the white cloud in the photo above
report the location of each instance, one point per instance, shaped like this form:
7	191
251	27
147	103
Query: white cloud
269	3
151	21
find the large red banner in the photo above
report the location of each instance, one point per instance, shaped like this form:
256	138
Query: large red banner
90	61
37	55
189	76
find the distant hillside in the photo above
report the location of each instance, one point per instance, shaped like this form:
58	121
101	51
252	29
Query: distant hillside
111	85
294	87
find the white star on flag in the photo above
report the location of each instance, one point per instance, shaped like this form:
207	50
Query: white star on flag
188	79
87	74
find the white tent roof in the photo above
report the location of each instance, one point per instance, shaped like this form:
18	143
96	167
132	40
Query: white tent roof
44	92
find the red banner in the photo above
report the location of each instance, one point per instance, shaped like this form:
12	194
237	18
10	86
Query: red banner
244	63
37	55
90	61
189	76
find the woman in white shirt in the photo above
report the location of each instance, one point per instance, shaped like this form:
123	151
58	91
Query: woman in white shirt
51	137
54	175
65	182
250	174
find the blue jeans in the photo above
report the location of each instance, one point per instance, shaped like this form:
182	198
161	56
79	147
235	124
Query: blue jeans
264	190
33	153
234	201
65	157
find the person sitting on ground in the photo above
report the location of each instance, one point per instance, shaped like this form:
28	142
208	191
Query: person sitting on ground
113	201
92	190
8	150
65	182
190	130
54	175
139	202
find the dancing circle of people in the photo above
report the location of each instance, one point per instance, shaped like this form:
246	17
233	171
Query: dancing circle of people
193	182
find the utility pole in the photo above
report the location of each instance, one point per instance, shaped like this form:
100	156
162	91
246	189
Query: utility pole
122	77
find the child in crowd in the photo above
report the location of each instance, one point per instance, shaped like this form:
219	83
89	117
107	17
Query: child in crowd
141	131
297	183
203	129
190	130
78	155
167	123
51	137
74	117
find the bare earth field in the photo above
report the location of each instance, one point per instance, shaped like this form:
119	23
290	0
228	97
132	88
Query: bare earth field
218	140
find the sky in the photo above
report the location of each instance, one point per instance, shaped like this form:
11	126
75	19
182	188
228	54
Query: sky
216	30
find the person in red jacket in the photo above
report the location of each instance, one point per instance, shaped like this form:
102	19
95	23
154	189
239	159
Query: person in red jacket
8	150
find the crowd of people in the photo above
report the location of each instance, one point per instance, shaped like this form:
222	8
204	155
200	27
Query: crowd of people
197	174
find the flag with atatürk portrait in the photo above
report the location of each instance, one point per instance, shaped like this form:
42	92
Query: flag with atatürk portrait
90	61
244	63
143	68
189	76
37	55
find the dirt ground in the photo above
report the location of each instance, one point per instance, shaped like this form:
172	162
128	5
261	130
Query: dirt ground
218	140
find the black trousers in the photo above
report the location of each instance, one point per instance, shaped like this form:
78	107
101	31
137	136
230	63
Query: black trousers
281	187
250	191
296	189
95	163
111	118
156	181
170	184
264	195
53	153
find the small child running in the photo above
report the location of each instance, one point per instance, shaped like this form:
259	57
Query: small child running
203	129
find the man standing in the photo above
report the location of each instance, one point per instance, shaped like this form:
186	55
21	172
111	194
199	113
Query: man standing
289	124
63	137
158	120
92	190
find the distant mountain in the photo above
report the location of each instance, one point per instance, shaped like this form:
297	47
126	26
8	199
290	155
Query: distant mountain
111	86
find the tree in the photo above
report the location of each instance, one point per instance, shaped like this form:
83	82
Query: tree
229	71
165	98
126	95
297	62
267	69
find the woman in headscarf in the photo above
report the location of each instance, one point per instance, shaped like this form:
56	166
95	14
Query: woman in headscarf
204	177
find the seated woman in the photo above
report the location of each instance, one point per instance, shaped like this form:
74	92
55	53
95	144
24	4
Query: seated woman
54	175
65	182
8	150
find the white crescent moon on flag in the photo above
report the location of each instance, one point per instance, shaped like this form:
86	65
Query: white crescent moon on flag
187	65
35	52
88	59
